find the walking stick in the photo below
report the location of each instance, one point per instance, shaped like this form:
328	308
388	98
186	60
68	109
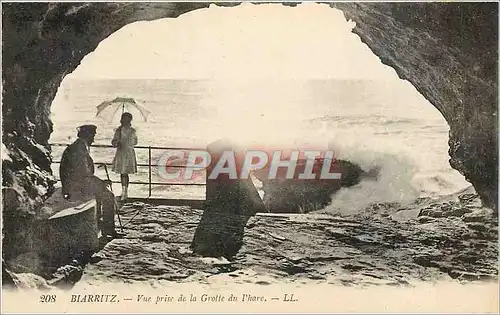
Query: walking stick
116	204
107	176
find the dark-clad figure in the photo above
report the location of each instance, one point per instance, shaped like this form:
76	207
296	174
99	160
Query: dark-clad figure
78	179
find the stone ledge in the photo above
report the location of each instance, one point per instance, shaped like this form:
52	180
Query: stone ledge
57	206
60	230
65	228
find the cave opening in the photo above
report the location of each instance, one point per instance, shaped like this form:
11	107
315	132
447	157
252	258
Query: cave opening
56	43
262	74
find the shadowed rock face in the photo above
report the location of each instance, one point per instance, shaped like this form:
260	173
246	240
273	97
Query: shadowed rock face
447	51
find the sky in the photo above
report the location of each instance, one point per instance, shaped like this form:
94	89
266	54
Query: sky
309	41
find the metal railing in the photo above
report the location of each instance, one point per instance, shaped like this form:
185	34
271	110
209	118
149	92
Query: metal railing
150	183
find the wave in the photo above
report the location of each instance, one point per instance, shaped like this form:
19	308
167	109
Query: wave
364	119
394	184
400	181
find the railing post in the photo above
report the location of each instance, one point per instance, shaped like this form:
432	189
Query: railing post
150	171
150	165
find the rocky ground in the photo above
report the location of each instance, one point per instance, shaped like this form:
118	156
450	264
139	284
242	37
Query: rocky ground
383	244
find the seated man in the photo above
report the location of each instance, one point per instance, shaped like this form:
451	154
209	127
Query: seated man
78	180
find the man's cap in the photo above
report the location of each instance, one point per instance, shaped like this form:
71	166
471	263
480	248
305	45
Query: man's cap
87	129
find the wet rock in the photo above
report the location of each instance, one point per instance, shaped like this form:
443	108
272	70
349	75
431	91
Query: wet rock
31	281
351	267
66	276
29	262
293	268
405	215
481	227
445	210
349	250
323	257
425	219
277	237
316	276
428	260
468	198
479	215
295	259
470	276
457	212
7	278
432	212
336	232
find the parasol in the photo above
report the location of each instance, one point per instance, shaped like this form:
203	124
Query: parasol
109	109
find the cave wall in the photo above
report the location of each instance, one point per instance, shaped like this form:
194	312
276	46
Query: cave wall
448	51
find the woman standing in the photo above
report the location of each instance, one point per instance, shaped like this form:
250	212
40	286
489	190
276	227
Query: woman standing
125	162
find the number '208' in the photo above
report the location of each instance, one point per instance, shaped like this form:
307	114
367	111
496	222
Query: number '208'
47	298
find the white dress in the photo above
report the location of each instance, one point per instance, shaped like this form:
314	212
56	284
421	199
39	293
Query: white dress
125	161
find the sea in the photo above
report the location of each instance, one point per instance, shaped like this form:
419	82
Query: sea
385	124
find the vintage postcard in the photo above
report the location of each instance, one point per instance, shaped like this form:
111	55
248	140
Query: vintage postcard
249	157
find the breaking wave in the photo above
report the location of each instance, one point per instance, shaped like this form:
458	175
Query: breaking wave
400	180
